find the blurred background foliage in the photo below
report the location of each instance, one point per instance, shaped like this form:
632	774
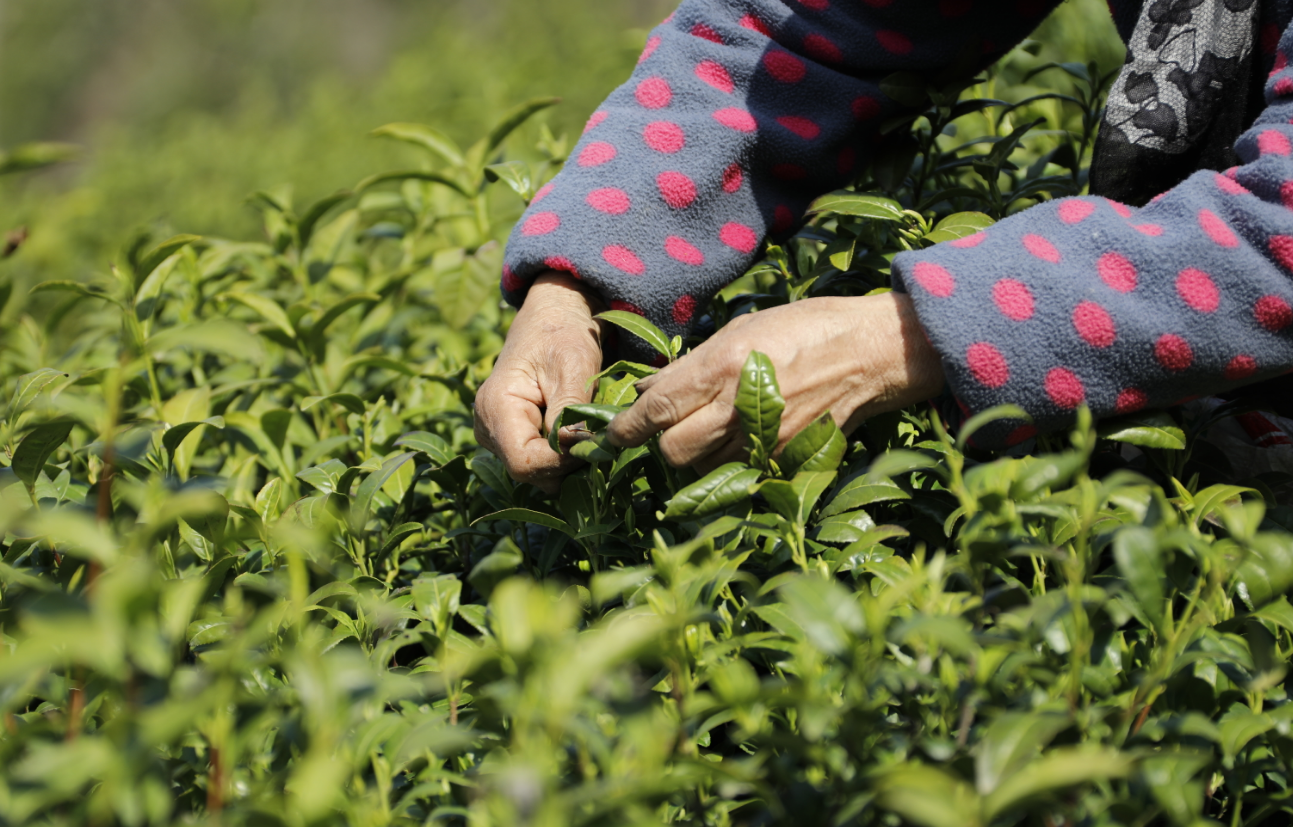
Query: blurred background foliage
185	108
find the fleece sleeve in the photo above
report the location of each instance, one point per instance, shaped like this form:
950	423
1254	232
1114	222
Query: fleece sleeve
1087	301
739	114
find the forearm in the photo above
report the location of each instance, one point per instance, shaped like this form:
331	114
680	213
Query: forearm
738	116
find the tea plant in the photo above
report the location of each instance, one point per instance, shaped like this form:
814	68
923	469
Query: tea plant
255	570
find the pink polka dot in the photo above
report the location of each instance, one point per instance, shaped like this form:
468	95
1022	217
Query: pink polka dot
1074	211
846	161
816	5
706	33
988	365
1282	249
1281	62
541	223
1064	388
1094	324
664	136
1273	313
1198	290
677	190
1013	299
1120	208
1149	229
1283	87
970	241
651	46
654	93
1270	38
1240	367
822	49
1021	435
1173	352
739	237
1229	186
543	193
511	282
754	24
611	201
684	309
1286	194
562	264
595	121
782	219
733	177
865	108
680	250
623	259
894	42
935	279
626	307
715	75
1271	142
596	154
784	66
737	119
1216	229
1130	401
1041	248
802	127
789	172
1118	272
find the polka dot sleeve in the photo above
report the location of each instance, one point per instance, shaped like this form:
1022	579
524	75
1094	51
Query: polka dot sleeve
1087	301
739	114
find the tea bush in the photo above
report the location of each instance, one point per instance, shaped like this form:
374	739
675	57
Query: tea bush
255	569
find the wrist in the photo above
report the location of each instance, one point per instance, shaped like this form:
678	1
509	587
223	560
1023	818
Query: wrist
555	287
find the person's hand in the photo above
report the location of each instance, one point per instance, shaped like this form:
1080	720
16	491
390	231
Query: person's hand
552	350
856	357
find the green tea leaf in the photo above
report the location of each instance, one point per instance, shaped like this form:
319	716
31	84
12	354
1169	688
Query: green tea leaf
639	327
1060	769
819	447
29	388
1149	430
516	174
426	137
266	308
1013	741
959	225
37	447
874	207
433	446
722	488
513	119
526	515
348	401
363	503
974	423
759	403
1139	558
860	492
928	796
796	499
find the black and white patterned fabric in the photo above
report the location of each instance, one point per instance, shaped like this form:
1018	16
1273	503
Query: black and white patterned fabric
1182	99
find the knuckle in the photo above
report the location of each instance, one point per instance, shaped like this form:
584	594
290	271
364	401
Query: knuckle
660	407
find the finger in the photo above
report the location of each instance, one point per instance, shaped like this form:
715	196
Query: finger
734	450
700	434
510	425
674	397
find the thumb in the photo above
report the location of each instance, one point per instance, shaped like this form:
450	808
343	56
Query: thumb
564	387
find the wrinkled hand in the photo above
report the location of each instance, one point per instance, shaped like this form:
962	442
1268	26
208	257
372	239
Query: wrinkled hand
856	357
552	350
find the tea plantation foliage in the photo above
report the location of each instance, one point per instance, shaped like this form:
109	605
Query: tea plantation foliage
256	571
